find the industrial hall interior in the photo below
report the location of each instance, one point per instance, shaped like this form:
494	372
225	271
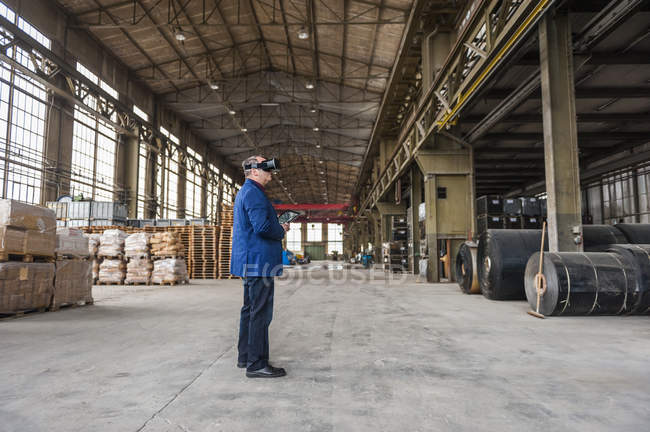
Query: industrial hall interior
411	215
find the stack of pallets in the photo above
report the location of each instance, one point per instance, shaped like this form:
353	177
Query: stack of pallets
101	229
225	242
204	252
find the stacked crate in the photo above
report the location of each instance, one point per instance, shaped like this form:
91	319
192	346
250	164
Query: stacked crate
489	210
531	213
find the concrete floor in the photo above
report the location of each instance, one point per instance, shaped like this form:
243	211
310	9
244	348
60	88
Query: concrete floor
361	354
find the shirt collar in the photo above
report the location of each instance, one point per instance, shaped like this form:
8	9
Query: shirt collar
257	184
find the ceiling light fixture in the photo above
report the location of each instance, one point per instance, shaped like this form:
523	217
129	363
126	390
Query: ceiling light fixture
303	33
312	109
214	85
180	36
309	85
270	104
244	130
231	111
316	129
317	145
320	161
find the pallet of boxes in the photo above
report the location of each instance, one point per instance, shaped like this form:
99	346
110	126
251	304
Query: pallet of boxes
139	265
112	270
169	266
27	242
73	281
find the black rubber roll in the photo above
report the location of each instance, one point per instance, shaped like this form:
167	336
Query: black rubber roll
635	233
466	270
639	255
581	283
596	238
502	256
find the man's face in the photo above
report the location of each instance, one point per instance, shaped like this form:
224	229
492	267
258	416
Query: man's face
261	176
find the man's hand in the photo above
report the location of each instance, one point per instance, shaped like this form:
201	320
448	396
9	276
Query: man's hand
285	226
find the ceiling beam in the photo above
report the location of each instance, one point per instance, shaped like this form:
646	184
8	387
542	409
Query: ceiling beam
582	118
582	136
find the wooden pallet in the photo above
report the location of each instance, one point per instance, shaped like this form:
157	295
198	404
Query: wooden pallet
159	257
108	283
171	283
21	313
26	258
62	257
55	308
114	257
204	251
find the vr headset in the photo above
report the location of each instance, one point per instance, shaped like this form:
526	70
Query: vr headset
267	165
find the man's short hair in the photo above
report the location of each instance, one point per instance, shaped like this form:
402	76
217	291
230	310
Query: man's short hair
249	161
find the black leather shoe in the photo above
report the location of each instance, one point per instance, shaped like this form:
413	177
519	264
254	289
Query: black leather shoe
266	372
241	365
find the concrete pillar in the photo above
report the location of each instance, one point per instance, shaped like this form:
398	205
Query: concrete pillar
150	183
435	49
560	132
127	169
376	239
58	147
414	222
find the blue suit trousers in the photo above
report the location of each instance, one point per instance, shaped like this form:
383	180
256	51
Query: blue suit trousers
256	316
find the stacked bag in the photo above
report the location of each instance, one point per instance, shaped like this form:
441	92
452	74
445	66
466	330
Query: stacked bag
167	244
169	271
112	270
139	266
93	248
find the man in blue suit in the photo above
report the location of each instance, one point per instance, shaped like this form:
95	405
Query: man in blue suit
256	257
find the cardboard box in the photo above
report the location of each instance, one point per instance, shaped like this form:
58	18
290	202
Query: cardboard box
72	282
26	242
71	242
25	286
26	216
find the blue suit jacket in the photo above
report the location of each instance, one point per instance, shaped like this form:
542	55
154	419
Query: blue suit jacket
256	234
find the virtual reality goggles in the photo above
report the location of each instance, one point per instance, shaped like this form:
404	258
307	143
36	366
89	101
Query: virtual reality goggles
267	165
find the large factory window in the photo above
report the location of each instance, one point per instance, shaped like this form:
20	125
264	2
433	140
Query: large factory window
94	144
212	207
294	237
334	238
193	185
23	113
142	178
168	195
314	232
